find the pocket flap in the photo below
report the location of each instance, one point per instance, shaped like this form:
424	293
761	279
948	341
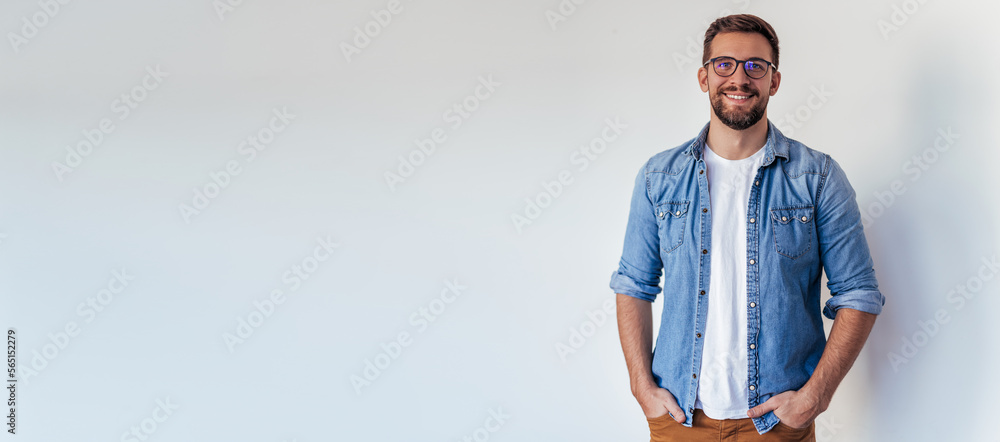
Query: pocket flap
675	209
802	214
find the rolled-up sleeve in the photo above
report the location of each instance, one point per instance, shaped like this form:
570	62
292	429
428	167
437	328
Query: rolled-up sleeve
640	267
843	247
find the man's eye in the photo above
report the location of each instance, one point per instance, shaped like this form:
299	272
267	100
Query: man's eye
724	64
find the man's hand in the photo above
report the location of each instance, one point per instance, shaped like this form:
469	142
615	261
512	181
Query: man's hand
656	402
635	326
797	409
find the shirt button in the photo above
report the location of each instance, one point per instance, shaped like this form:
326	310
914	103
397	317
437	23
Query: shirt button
752	261
753	304
704	210
698	334
752	388
752	220
804	219
784	218
753	346
756	182
703	251
660	214
702	292
701	172
694	376
678	213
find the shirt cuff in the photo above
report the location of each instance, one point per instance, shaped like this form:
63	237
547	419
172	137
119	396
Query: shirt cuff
868	301
622	283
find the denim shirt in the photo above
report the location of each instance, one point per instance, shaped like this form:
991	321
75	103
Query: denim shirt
802	216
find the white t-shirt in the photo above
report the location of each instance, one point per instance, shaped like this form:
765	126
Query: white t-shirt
722	383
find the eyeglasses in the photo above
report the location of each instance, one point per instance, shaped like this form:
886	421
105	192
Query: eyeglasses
725	66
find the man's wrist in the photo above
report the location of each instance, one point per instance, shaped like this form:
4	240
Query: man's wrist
642	386
821	397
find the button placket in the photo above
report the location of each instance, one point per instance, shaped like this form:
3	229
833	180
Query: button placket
704	273
753	288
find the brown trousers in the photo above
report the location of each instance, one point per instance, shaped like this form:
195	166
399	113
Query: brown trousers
704	428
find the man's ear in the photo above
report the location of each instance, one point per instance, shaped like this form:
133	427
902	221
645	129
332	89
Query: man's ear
703	78
775	82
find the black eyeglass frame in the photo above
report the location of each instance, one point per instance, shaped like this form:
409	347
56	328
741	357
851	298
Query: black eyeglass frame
738	63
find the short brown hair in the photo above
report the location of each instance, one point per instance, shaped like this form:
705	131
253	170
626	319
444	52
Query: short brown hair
740	23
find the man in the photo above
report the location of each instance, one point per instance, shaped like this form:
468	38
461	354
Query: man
742	220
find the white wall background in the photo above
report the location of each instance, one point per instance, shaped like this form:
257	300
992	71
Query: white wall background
495	347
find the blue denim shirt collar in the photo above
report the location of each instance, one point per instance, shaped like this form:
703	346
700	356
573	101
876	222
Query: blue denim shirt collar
777	144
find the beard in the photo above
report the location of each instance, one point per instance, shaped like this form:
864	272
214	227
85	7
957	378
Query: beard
738	119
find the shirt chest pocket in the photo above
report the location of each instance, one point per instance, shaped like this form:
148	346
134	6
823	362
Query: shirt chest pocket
793	229
671	217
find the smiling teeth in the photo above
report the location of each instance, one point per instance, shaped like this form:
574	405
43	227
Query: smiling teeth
738	97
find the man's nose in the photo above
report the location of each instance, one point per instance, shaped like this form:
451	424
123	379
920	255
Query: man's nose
740	76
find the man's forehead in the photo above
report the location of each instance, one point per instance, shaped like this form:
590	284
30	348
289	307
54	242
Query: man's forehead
741	45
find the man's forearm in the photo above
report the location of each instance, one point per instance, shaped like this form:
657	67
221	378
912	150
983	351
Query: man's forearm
847	337
635	328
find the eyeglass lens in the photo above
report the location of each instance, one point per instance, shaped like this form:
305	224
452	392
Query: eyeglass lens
726	66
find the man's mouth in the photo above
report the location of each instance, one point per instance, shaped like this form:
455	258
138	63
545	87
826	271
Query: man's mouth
737	97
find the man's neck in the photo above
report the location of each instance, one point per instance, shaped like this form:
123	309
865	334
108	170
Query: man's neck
734	144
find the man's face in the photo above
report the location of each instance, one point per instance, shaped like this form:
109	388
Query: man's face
738	100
